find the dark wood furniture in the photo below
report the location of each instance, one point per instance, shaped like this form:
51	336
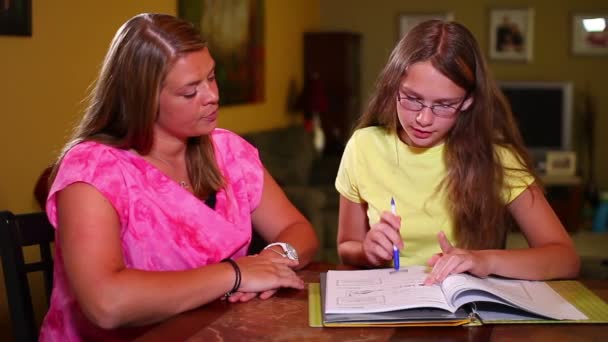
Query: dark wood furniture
565	195
285	317
16	232
334	57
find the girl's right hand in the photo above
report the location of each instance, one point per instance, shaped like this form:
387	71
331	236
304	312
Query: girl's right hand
379	240
261	274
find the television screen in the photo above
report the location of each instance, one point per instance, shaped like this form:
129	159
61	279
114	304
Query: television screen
543	111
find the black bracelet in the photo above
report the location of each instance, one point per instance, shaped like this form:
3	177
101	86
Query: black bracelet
237	280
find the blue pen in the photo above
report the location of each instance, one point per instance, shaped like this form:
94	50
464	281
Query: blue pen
395	250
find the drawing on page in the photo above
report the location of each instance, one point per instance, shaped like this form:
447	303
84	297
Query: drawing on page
358	282
389	287
352	293
361	301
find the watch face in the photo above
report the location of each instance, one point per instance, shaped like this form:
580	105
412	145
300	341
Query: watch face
291	252
288	250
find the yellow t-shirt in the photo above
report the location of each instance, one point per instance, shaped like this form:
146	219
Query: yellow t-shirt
376	166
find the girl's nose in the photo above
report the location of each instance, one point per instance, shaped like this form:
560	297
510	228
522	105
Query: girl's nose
425	117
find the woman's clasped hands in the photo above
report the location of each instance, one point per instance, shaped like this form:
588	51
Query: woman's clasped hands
263	274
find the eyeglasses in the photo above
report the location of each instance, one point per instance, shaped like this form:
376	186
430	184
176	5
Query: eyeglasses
438	109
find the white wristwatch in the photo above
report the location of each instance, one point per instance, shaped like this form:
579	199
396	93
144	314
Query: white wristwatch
288	250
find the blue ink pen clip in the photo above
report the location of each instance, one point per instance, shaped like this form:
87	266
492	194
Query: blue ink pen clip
395	250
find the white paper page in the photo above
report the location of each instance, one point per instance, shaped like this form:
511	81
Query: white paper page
381	290
533	296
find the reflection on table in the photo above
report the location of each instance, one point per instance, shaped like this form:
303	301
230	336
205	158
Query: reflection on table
285	317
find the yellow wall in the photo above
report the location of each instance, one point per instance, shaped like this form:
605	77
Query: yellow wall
44	78
552	60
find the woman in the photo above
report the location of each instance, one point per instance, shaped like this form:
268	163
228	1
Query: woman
149	197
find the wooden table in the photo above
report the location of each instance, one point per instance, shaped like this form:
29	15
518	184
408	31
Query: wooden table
284	317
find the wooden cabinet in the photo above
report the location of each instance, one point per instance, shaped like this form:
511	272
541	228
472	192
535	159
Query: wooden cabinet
334	57
565	194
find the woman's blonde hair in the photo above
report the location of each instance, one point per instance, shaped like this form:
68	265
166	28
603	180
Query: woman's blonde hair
475	175
123	105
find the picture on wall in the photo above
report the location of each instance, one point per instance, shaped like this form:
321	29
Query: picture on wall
511	34
16	17
561	163
590	34
234	31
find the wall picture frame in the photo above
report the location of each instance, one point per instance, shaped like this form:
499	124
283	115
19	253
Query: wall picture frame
16	18
511	34
561	163
590	34
408	20
235	34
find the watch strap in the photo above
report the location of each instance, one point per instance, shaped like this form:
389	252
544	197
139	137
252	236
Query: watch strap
286	250
282	244
284	255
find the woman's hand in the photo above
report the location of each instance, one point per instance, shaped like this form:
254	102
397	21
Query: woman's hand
379	240
275	252
262	275
454	260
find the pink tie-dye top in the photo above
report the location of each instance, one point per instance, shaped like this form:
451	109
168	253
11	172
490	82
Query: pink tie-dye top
163	226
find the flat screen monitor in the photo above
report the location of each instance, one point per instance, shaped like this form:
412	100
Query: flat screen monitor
543	111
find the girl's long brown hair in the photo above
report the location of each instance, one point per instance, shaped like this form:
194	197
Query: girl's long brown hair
123	105
475	176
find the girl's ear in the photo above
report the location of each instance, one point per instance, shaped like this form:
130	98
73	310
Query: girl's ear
467	103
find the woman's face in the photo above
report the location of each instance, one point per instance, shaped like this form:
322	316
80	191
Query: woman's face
425	84
189	97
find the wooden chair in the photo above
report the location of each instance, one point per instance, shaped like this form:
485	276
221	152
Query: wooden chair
16	232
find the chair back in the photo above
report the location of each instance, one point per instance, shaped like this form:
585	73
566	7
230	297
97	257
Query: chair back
16	232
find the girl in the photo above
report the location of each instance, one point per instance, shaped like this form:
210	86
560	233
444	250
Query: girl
154	205
439	138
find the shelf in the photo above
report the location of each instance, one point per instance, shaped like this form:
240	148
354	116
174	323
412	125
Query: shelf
558	180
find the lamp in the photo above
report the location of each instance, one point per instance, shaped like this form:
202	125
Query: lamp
314	102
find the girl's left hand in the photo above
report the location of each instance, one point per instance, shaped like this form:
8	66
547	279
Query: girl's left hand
454	260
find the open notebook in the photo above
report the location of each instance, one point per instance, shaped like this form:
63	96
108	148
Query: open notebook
380	297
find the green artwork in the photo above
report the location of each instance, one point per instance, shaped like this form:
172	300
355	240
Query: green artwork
234	30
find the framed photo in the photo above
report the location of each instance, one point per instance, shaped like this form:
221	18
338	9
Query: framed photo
234	31
561	163
511	34
409	20
590	34
16	17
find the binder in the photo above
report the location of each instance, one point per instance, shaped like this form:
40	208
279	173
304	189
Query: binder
573	291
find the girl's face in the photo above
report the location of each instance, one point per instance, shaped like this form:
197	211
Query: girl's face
189	97
425	84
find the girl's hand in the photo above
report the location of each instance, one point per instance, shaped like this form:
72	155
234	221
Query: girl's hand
454	260
379	240
263	275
